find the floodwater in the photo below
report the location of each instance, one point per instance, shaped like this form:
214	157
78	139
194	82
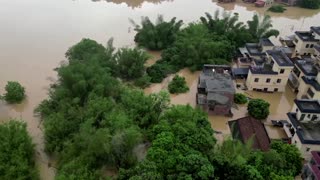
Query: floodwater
35	34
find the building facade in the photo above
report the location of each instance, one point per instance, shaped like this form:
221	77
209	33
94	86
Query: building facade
271	74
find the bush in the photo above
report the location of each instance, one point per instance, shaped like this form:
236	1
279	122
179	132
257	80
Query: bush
258	108
16	152
277	8
160	70
240	98
309	4
143	82
14	92
178	85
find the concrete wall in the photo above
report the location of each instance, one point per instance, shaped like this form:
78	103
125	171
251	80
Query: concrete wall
303	88
308	116
301	46
265	48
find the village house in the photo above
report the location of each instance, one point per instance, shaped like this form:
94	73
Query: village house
270	74
304	125
216	90
309	86
311	170
249	129
305	68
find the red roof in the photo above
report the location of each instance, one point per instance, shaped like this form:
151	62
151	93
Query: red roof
248	127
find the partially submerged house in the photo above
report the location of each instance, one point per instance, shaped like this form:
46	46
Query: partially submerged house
304	127
248	128
311	170
216	90
270	74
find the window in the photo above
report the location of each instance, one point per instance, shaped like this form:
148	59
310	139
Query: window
309	115
278	80
256	79
265	89
307	46
296	109
302	117
268	80
281	71
314	117
311	46
295	142
307	149
310	93
275	89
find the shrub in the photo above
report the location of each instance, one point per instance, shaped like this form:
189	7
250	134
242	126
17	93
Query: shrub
309	4
14	92
258	108
143	82
160	70
277	8
178	85
240	98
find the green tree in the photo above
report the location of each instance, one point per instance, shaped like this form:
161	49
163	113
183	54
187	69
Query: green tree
260	27
309	4
15	93
130	63
178	85
258	108
240	98
158	35
16	152
277	8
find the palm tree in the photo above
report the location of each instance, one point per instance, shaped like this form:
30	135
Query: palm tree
260	27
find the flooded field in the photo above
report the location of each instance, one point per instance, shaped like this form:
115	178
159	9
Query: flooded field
35	34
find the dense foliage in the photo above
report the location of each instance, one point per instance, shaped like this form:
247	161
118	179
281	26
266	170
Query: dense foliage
240	98
310	4
258	108
277	8
211	41
178	85
15	93
16	152
92	122
156	36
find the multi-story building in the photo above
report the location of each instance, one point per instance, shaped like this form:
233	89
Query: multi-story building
311	170
309	87
304	126
306	40
303	68
216	90
270	74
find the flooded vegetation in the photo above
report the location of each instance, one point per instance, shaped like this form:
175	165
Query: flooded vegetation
33	44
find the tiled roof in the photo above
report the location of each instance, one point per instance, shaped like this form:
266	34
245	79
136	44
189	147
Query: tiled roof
246	128
280	57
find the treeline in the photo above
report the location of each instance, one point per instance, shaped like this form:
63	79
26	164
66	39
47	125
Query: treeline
16	152
94	122
212	40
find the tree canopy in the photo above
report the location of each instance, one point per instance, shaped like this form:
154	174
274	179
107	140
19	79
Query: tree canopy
240	98
178	85
158	35
258	108
309	4
16	152
15	92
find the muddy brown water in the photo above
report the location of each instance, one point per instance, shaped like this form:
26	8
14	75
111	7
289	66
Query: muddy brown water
35	34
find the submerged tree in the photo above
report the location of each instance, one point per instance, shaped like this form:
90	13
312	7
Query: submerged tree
260	27
15	93
158	35
258	108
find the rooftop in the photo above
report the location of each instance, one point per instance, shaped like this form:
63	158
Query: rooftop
307	132
240	71
308	106
315	29
280	57
216	79
316	156
254	49
264	69
265	42
246	128
312	82
306	36
307	67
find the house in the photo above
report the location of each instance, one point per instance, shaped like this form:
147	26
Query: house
311	170
304	127
253	51
304	42
216	90
305	67
271	73
247	128
317	52
309	87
